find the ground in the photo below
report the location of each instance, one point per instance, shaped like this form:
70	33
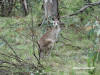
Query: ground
69	52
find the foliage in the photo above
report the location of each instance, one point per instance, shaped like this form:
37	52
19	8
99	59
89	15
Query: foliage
77	47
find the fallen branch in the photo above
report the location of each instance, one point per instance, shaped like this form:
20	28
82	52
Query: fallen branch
70	45
85	7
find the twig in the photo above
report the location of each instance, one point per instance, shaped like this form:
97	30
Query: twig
3	61
6	55
32	30
2	38
10	56
65	38
17	57
5	66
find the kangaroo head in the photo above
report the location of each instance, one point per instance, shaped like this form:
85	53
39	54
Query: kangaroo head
55	23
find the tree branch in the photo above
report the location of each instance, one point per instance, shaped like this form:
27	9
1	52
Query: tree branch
85	7
17	57
10	56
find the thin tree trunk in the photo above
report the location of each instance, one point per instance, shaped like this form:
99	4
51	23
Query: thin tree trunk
7	7
25	7
11	5
2	8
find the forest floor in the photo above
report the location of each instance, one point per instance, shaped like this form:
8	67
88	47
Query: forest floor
70	52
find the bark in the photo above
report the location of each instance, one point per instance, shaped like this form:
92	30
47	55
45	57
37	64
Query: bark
88	1
85	7
25	7
51	8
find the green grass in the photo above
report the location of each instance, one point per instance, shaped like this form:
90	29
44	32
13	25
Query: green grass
63	58
65	55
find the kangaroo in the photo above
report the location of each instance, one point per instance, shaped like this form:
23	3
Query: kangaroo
47	41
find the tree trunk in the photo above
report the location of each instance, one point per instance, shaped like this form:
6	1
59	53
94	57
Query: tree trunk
51	8
25	7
